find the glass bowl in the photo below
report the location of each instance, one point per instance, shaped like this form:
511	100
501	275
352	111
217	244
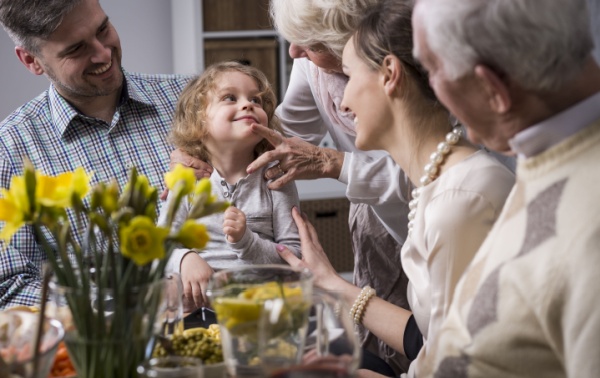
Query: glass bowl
17	342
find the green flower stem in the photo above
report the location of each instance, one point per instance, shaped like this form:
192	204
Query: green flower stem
49	251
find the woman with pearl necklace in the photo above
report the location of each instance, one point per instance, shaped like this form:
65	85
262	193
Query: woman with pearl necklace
459	189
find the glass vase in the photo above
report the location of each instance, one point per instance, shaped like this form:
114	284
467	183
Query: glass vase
108	331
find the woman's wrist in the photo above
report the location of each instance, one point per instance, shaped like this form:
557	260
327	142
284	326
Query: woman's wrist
360	304
332	162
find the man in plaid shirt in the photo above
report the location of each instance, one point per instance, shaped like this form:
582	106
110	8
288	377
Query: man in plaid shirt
94	115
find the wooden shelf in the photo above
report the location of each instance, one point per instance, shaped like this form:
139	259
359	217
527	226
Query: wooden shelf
224	15
259	52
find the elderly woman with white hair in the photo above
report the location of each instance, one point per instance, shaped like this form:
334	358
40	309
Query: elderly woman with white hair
317	31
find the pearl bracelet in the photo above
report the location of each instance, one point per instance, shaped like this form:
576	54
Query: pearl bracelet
358	307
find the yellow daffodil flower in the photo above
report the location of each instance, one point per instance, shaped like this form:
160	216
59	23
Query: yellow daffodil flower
181	174
114	233
192	234
142	241
17	195
81	182
110	197
143	186
203	186
12	218
57	191
15	210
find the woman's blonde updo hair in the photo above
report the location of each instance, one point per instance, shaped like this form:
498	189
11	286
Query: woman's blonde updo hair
190	125
312	22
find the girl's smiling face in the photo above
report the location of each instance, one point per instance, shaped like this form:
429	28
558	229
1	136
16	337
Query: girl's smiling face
235	105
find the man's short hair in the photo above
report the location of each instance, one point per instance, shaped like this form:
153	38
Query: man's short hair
29	21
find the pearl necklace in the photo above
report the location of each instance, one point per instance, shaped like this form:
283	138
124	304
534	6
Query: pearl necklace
432	170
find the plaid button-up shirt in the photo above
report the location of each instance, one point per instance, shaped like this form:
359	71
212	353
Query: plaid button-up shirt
57	138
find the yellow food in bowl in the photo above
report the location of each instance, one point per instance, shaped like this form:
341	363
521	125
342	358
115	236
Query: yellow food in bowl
240	313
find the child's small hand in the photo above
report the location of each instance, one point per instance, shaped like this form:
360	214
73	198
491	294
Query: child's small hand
234	224
195	273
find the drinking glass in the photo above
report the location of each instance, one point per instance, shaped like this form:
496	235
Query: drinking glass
171	315
331	348
238	297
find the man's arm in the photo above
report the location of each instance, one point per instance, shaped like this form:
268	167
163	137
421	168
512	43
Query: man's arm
20	270
21	260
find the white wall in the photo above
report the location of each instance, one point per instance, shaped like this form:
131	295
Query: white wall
17	85
145	30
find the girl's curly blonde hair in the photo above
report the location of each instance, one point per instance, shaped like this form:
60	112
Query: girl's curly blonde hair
189	128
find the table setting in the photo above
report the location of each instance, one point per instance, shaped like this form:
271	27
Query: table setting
103	278
108	305
273	328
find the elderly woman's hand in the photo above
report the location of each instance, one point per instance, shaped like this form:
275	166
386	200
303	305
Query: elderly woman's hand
313	256
298	159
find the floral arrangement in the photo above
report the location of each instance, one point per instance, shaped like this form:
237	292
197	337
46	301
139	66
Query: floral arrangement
109	284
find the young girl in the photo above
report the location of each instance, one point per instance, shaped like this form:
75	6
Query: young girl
212	123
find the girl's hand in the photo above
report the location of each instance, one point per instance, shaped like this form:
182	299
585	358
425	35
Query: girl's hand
195	273
234	224
313	256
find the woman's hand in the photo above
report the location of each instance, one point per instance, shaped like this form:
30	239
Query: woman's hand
298	159
201	168
313	256
234	224
195	273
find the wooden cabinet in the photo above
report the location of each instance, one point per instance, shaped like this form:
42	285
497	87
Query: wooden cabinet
227	15
256	52
330	219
